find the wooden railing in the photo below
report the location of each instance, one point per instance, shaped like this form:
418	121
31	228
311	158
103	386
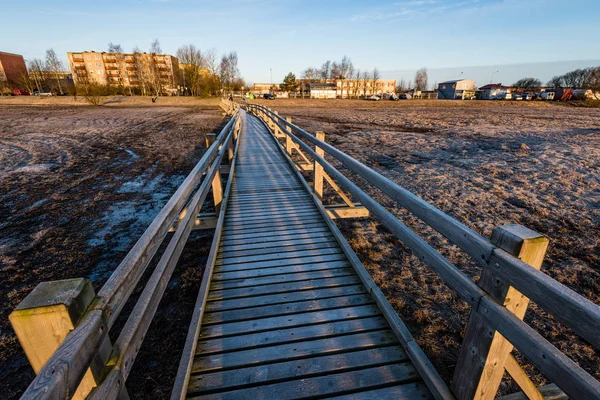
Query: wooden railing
63	326
511	276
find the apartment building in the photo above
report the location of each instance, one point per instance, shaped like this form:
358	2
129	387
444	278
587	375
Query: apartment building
145	71
12	68
359	87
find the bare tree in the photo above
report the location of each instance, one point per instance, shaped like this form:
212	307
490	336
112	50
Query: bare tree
114	48
117	51
421	79
527	83
375	76
155	47
37	70
325	71
191	62
140	70
556	82
229	71
26	82
211	61
402	86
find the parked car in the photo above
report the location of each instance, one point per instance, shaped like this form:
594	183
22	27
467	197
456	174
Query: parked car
42	93
547	95
268	96
374	98
19	92
517	97
405	96
394	97
528	96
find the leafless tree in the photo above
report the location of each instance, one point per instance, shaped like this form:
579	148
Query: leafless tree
229	71
421	79
140	70
211	60
191	62
54	65
37	70
375	76
26	82
114	48
593	82
402	86
117	51
527	83
556	82
155	47
325	71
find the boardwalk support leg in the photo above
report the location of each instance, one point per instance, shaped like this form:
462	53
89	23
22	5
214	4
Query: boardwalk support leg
318	175
217	184
485	352
47	315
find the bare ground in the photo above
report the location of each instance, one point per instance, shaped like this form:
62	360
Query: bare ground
486	164
78	186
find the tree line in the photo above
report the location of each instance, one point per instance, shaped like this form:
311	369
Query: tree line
581	78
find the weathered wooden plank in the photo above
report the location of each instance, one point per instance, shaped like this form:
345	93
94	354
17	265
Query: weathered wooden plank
270	216
273	299
295	230
291	370
301	233
276	241
267	251
283	278
550	392
282	288
405	391
313	220
277	256
290	335
285	308
283	321
282	263
341	383
285	352
224	276
244	211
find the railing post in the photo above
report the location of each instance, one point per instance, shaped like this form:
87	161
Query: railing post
217	184
45	317
484	351
289	144
318	176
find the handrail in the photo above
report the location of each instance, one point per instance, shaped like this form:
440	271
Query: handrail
575	381
62	373
574	310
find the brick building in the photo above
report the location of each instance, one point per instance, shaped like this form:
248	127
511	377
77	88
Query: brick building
367	87
146	71
12	69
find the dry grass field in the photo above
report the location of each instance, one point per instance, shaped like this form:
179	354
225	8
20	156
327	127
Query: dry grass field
79	184
485	164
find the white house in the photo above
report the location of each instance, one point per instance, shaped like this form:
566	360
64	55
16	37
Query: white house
322	90
456	89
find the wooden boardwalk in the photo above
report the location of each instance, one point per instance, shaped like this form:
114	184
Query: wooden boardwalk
286	315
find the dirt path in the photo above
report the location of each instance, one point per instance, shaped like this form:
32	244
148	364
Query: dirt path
78	186
486	164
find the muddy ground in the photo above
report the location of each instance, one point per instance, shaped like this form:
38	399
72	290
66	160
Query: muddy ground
486	164
78	186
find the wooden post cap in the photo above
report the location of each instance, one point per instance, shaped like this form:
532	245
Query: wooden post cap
527	245
75	295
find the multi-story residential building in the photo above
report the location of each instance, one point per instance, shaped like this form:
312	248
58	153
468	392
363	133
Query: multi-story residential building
149	72
264	88
12	68
364	87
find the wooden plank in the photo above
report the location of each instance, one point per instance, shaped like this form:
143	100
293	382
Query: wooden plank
348	212
290	335
247	210
282	263
283	235
286	352
285	308
341	383
276	279
254	273
258	232
277	256
273	299
297	369
415	390
289	248
272	216
283	321
260	227
276	241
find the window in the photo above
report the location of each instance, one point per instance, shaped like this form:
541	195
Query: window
92	72
443	86
98	65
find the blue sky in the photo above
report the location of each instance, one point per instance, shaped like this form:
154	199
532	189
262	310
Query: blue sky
289	35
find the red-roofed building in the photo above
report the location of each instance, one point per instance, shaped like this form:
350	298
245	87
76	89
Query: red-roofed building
494	91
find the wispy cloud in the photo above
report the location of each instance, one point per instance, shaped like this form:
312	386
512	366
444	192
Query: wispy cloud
402	10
